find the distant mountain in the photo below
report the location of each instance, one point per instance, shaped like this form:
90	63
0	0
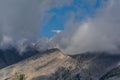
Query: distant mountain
113	74
53	64
11	55
8	56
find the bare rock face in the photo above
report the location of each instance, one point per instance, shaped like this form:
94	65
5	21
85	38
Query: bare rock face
39	65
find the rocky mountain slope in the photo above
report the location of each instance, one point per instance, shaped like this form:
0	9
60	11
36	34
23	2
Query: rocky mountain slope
39	65
113	74
13	53
53	64
93	66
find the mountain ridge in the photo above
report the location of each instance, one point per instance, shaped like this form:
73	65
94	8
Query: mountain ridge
86	66
38	65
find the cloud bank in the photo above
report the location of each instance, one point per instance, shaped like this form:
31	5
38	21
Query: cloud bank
19	18
100	33
22	18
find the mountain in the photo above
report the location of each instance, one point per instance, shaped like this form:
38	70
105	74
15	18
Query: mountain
8	56
39	65
53	64
11	55
113	74
95	65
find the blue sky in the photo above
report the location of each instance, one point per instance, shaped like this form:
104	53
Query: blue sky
59	16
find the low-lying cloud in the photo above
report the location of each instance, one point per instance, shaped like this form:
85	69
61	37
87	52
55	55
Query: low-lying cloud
100	33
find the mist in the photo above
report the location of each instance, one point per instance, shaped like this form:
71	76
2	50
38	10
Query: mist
99	33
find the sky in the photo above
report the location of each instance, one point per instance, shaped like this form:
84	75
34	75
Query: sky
60	15
76	26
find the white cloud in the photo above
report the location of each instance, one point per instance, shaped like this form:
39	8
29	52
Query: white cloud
6	41
22	18
100	33
56	31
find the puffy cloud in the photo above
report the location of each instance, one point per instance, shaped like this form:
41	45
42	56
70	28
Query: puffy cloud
100	33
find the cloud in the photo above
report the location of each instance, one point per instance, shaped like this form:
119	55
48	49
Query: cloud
5	41
56	31
19	18
100	33
23	18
